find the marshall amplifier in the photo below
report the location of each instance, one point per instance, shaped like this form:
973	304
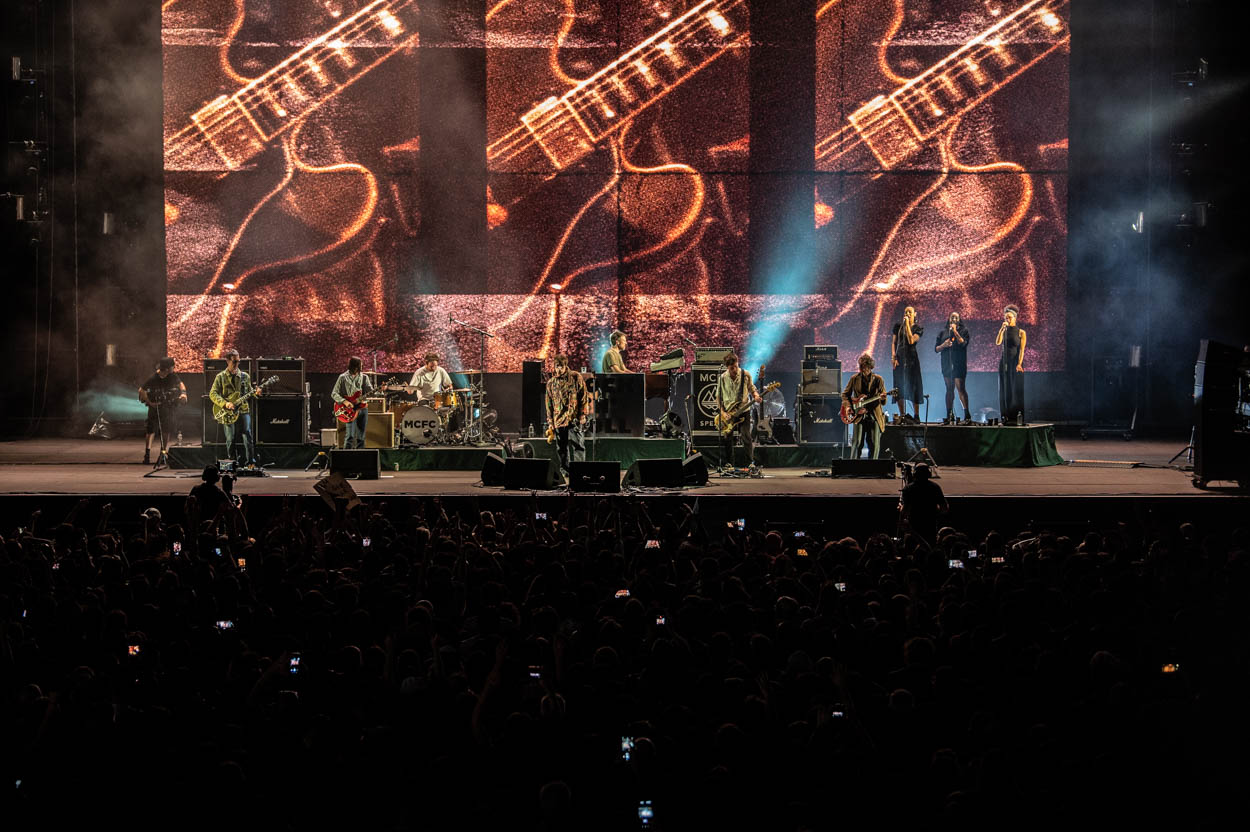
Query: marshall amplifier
703	397
290	373
280	420
711	355
822	354
213	366
820	422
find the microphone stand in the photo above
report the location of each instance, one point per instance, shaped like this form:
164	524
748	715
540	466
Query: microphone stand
476	418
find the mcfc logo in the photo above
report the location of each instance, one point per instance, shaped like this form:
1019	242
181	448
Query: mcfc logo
420	424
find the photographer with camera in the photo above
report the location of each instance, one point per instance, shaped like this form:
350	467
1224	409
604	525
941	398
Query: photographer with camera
921	502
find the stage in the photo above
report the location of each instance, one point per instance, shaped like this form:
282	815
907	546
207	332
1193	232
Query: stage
1119	469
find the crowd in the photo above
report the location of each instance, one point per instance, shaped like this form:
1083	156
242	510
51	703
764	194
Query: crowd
403	665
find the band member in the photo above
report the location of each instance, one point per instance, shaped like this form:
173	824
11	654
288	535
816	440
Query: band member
430	379
566	412
1011	367
354	383
161	393
612	360
735	392
868	384
233	382
952	345
906	362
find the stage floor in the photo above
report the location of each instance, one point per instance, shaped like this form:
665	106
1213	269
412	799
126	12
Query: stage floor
71	466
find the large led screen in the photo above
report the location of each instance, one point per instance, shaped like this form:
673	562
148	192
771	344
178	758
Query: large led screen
619	176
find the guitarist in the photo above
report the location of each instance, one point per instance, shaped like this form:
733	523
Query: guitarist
161	393
868	384
354	383
566	413
233	383
733	390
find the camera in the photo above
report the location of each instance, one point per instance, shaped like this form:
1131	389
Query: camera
293	667
998	560
653	544
1170	668
627	748
646	814
955	564
540	515
622	593
801	552
800	533
972	553
218	550
840	586
659	621
536	671
225	624
242	564
177	547
366	542
132	650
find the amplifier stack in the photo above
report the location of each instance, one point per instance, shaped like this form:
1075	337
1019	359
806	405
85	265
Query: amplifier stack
818	405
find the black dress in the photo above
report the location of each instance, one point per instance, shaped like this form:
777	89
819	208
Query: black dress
1010	382
907	373
954	357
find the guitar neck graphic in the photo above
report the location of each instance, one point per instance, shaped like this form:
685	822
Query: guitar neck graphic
237	128
889	129
571	126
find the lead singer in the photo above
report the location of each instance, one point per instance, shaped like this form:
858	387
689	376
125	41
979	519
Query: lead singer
1011	367
906	362
566	413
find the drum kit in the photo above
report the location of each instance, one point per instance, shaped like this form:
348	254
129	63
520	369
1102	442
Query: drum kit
453	417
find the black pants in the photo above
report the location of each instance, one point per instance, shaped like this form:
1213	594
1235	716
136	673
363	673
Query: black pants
727	442
1010	393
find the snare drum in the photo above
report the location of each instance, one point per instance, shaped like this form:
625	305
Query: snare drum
445	399
419	425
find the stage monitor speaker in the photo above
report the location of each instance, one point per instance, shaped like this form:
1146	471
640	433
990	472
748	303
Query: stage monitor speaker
530	474
532	393
379	431
783	431
290	373
492	470
595	477
280	420
655	473
365	463
880	468
703	393
694	470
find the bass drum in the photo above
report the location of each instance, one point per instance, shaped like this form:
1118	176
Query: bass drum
419	425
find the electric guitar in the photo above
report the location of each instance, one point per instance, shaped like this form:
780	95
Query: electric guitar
349	410
228	417
730	419
855	412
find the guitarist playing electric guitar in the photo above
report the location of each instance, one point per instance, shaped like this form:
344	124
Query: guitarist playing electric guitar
229	393
862	399
349	394
734	395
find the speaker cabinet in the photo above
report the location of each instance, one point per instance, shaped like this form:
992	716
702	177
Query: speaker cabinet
819	420
532	392
595	477
364	463
290	373
878	468
492	470
280	420
621	403
213	366
529	474
656	473
694	470
379	431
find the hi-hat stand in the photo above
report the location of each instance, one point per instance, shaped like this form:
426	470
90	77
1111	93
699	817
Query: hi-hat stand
474	431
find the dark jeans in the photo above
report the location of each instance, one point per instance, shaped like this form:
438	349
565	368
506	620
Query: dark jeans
866	428
571	445
240	433
727	443
355	431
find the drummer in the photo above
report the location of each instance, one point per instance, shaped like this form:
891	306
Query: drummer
430	379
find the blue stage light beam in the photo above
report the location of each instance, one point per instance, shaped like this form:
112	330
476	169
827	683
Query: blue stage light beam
790	269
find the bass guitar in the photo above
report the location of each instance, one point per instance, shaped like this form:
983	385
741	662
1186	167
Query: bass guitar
856	411
228	417
730	419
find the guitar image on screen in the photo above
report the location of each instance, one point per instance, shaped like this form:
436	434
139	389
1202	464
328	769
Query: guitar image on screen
253	205
913	124
592	129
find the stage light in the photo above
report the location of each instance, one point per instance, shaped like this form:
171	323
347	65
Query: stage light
556	287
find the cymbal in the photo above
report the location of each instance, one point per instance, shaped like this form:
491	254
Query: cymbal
462	390
465	372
